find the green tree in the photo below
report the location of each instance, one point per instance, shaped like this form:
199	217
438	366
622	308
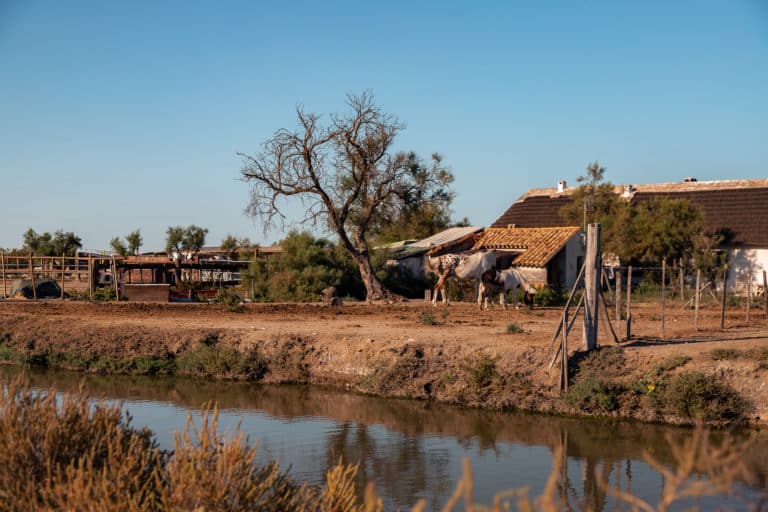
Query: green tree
184	242
119	246
131	246
344	172
304	269
593	201
232	246
135	241
46	244
663	227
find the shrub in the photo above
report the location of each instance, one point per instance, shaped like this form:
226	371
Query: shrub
210	359
692	394
555	295
514	328
720	354
427	318
594	394
481	371
230	300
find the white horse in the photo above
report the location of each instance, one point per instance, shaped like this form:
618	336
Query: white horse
468	267
494	281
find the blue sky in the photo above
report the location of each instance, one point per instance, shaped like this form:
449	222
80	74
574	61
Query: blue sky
123	115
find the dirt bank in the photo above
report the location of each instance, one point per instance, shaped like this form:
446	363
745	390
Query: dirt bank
454	354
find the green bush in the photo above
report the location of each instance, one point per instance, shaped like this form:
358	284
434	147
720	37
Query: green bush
555	295
514	328
427	318
692	395
210	359
481	370
591	393
230	300
720	354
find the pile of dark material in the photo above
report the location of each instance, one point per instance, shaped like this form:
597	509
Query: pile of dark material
44	289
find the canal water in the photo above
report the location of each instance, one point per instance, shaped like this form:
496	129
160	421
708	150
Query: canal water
414	450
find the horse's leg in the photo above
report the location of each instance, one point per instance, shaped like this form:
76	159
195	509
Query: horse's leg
514	292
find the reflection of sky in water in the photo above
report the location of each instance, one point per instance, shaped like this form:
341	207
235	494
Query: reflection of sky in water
408	467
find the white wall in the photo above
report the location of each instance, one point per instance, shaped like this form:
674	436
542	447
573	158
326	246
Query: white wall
574	251
739	261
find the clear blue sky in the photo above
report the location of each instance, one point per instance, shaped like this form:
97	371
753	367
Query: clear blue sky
123	115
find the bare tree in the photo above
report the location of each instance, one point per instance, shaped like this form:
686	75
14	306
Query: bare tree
343	172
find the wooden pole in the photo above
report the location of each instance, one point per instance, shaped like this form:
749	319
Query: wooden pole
663	288
725	291
698	299
681	274
618	296
592	265
114	278
629	301
765	293
749	294
90	277
564	350
32	276
2	264
607	318
63	260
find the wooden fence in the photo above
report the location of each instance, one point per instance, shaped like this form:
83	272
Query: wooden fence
669	287
71	273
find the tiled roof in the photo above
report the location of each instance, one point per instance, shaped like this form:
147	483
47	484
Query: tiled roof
539	244
737	206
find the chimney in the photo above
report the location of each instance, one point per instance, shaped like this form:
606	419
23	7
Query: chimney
561	186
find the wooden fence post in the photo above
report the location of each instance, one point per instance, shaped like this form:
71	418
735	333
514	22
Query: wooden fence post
765	293
629	301
90	277
618	296
749	294
114	279
2	264
63	264
725	291
564	350
32	276
663	284
592	268
682	280
697	299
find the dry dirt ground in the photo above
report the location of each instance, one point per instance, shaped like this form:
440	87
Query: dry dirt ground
409	349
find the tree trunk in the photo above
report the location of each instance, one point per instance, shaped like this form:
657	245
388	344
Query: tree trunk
374	290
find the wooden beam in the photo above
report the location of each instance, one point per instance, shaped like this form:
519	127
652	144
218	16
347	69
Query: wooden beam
618	296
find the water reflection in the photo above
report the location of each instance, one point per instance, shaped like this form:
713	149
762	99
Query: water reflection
410	449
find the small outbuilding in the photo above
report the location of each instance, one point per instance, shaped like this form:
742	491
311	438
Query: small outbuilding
548	256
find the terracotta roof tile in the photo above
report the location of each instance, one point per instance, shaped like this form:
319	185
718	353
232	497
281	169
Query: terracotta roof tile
539	245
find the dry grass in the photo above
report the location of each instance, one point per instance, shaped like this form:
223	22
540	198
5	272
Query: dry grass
66	454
